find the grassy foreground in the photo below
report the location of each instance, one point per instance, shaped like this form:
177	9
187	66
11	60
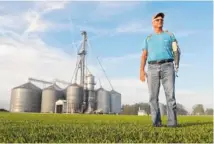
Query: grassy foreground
64	128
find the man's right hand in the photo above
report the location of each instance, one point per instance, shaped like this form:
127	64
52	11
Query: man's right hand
142	75
142	65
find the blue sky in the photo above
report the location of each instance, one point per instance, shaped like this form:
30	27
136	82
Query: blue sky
116	31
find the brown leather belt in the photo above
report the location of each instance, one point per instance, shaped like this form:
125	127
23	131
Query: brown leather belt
160	62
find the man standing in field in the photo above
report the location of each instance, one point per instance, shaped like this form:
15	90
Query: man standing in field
160	50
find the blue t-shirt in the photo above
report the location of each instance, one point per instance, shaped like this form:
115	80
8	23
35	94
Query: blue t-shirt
159	46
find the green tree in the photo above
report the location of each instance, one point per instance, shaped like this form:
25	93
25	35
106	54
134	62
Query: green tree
133	109
209	111
198	109
181	110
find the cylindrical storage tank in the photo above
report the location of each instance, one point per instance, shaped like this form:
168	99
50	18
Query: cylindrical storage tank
26	98
74	98
90	82
103	100
162	109
49	97
115	102
91	101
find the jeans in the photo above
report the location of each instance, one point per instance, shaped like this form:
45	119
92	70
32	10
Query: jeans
166	73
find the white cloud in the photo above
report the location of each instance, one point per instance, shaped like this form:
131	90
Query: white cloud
185	33
93	30
12	22
31	19
34	17
122	58
185	65
105	10
48	6
134	27
35	23
144	26
114	8
133	56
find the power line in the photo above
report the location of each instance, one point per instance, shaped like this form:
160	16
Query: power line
105	74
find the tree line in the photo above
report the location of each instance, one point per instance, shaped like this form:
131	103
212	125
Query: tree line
197	109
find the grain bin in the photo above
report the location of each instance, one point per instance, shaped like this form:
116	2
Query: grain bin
90	93
26	98
74	96
103	100
49	97
91	107
90	82
115	102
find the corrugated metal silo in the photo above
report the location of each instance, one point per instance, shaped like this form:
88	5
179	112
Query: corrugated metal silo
26	98
91	93
115	102
49	97
90	82
74	96
162	109
103	100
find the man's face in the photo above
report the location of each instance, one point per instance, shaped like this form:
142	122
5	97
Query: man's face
158	22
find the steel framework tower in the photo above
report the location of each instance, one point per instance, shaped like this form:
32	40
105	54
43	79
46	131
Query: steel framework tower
82	53
81	64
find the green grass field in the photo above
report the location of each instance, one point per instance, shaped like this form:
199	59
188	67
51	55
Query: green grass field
65	128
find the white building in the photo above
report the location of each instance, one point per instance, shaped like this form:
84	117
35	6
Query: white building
61	106
141	112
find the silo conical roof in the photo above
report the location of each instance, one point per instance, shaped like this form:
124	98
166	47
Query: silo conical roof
53	87
28	85
113	91
73	84
100	89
